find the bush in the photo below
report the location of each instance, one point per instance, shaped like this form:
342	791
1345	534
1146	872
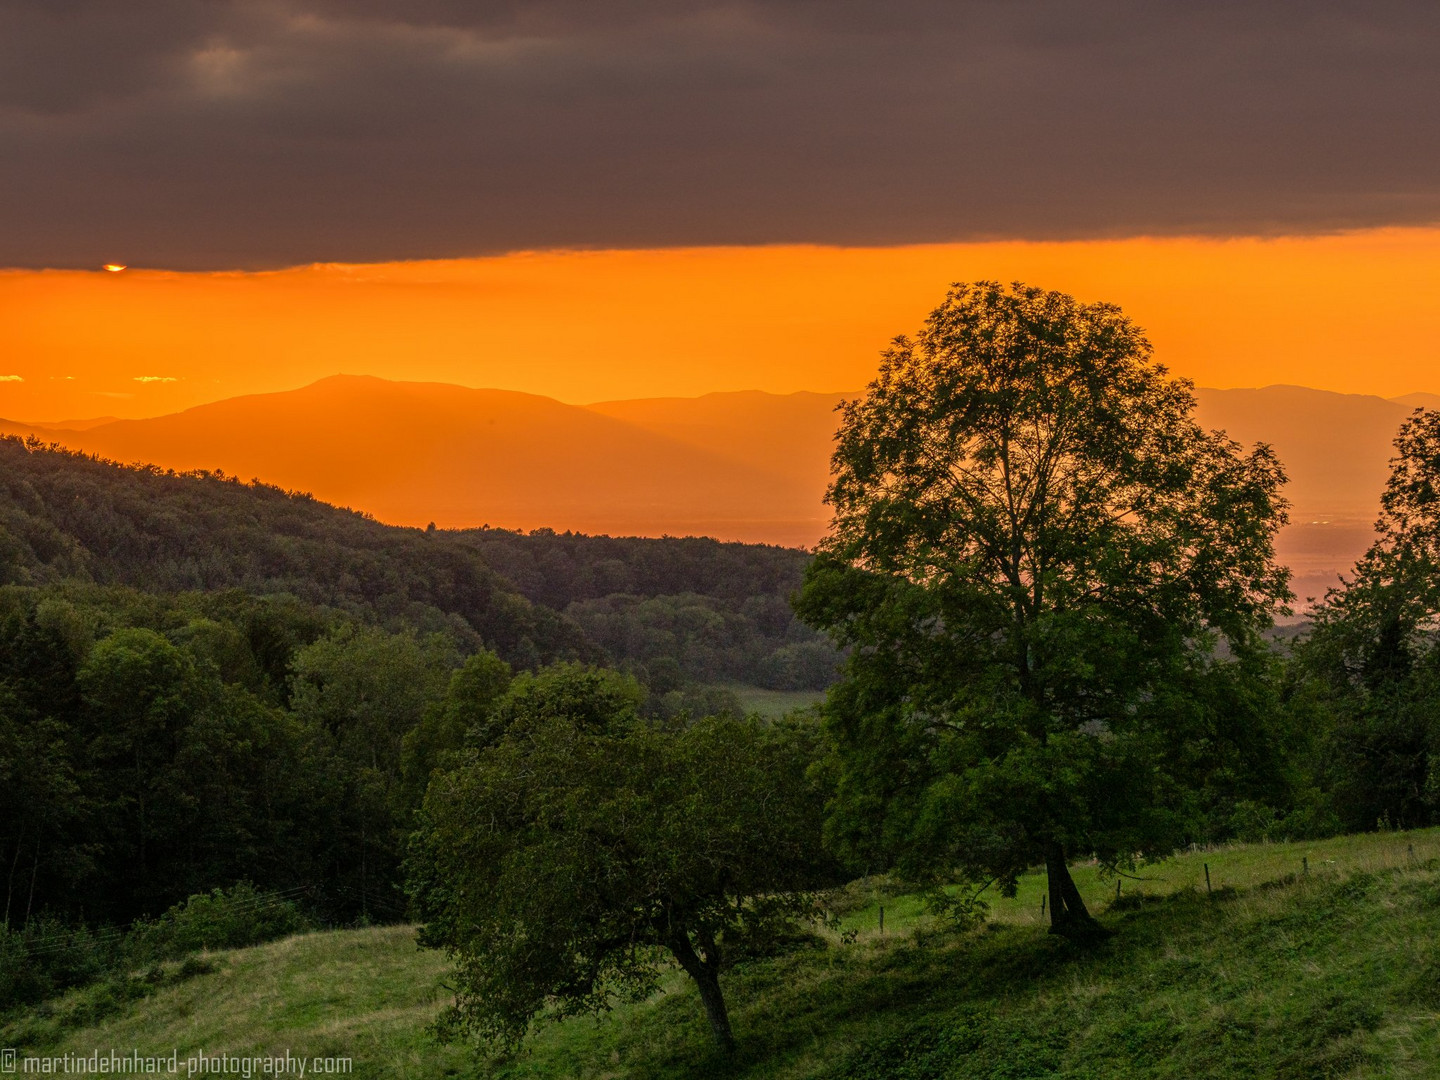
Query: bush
221	919
47	956
804	665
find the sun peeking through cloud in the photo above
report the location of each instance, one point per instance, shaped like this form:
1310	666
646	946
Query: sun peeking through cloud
115	268
155	378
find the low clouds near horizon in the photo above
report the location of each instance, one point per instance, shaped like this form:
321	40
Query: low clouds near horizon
212	134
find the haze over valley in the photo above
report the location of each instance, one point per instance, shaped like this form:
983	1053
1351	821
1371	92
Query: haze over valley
749	466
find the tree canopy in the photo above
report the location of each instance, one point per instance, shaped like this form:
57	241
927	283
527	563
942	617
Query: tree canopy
561	859
1033	545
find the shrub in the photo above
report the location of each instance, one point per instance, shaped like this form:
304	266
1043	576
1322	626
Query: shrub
222	919
46	956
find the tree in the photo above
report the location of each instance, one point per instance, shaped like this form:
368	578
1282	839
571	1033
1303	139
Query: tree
562	859
473	692
1373	651
367	690
1032	540
141	696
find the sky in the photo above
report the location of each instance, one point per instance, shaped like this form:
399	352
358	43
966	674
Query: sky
639	198
1356	313
216	134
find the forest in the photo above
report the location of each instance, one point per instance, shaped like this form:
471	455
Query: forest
160	627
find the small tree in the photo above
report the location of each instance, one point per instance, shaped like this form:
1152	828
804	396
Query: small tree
564	858
1033	544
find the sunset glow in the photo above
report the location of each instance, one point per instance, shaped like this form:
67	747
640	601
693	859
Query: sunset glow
1352	312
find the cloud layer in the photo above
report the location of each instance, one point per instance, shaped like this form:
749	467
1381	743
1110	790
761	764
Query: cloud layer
259	133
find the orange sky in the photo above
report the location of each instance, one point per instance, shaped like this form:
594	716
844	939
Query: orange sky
1358	312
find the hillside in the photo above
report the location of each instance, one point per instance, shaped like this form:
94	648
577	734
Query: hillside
718	611
64	517
413	453
744	466
1279	973
788	433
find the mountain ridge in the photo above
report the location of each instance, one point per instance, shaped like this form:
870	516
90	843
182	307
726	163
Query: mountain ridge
738	465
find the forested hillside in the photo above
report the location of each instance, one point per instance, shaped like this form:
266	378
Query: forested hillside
66	517
204	681
687	607
693	609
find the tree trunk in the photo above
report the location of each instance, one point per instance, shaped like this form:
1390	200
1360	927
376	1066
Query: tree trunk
34	872
1068	914
10	881
706	973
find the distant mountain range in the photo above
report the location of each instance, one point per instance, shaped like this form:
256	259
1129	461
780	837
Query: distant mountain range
742	466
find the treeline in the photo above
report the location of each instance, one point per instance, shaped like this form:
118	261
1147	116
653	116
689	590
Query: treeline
153	747
687	608
67	517
696	609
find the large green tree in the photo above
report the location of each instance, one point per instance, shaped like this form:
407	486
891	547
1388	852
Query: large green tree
571	851
1033	545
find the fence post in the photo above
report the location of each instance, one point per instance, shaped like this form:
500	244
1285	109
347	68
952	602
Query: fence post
1207	878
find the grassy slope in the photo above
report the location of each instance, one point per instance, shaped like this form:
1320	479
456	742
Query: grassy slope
1334	973
773	703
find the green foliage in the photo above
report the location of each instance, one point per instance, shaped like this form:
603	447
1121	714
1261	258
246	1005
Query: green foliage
1035	549
147	752
473	692
65	516
47	956
221	919
755	639
1368	675
586	699
577	843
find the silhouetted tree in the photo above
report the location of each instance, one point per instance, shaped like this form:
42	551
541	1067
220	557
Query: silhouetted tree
1033	539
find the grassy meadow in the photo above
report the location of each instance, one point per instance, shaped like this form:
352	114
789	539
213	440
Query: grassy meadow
773	703
1277	973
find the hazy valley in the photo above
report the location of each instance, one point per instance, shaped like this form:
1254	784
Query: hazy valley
747	466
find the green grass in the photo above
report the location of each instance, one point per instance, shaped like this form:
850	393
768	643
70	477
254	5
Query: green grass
367	994
1279	973
1235	866
773	703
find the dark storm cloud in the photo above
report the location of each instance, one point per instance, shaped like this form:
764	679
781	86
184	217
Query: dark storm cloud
206	133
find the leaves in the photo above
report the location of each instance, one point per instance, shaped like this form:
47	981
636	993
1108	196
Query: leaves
558	863
1032	540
